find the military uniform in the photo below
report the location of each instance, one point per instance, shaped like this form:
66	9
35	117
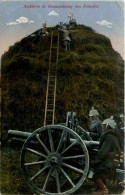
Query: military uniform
121	129
72	24
108	156
95	129
66	37
95	125
110	146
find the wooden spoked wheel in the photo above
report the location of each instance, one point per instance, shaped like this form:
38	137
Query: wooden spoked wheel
50	160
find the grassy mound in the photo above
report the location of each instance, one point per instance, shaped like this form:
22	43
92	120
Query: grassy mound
91	74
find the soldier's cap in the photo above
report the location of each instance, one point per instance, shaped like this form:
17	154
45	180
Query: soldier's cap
121	116
110	121
93	112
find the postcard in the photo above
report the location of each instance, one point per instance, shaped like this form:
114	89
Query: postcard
62	97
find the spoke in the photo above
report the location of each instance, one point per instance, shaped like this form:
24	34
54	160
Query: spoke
34	163
47	179
42	144
35	152
69	147
67	177
57	181
61	141
39	172
73	157
73	168
51	140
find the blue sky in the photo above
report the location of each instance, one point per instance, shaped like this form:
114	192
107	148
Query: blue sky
16	21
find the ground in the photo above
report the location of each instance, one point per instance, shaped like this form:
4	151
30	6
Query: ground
13	182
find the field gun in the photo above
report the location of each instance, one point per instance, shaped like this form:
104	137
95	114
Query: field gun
55	159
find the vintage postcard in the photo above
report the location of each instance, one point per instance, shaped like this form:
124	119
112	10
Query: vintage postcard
62	97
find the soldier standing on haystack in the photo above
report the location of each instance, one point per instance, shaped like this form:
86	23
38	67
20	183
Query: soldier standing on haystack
72	22
95	125
66	37
43	31
108	156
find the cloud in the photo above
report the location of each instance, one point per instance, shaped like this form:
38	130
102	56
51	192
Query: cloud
22	20
53	13
104	23
12	23
31	21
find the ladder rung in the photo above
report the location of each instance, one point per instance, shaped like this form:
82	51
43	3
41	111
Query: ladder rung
50	107
51	82
51	90
50	95
54	47
49	110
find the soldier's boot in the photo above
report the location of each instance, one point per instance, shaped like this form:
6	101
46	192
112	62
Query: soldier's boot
101	187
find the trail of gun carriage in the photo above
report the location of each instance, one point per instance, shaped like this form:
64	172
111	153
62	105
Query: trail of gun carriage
58	85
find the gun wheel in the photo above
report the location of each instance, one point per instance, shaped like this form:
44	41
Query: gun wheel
50	160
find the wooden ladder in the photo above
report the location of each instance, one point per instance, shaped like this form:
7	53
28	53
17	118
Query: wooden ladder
51	81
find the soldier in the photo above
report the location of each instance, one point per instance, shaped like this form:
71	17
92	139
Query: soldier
43	31
95	125
72	24
107	157
70	15
121	129
121	123
66	37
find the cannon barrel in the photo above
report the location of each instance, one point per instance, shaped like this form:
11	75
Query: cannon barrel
15	135
90	143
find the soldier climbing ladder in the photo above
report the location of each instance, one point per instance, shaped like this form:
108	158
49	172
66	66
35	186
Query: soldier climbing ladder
51	81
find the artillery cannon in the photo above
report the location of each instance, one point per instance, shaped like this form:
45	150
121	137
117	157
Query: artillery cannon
54	158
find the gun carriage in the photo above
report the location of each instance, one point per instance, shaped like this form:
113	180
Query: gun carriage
54	158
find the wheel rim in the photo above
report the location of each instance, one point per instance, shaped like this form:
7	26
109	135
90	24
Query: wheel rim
48	157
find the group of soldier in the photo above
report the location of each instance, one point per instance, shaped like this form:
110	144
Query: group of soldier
63	28
111	147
